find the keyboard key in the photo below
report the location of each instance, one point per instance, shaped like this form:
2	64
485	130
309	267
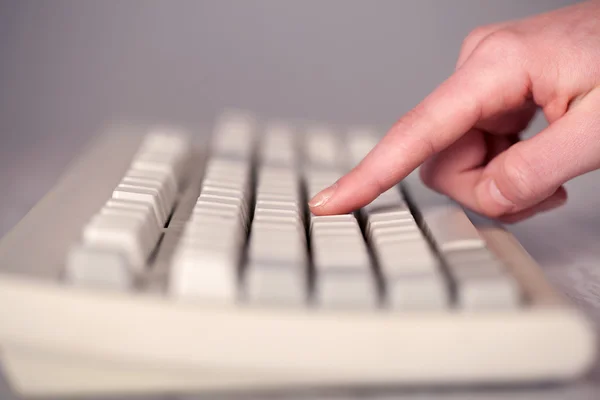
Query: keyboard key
159	162
98	268
277	266
169	180
481	280
487	292
167	199
451	229
204	274
220	203
119	233
425	290
399	259
141	195
150	232
469	256
444	220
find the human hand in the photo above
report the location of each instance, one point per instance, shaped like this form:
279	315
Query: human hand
465	133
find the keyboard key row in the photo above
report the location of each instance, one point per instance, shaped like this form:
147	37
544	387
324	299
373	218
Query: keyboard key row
343	269
408	265
277	253
207	257
118	240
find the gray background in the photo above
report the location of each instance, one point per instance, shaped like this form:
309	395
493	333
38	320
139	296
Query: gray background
69	67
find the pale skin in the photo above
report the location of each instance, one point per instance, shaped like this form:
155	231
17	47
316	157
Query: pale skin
465	133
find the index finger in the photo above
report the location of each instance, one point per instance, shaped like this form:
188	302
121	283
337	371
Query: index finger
470	94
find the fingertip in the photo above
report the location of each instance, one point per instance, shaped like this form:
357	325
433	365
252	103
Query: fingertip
318	203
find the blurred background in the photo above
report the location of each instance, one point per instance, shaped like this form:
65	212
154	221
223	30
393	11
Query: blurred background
69	67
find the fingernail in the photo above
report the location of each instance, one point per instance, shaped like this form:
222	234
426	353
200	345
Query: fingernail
498	196
322	197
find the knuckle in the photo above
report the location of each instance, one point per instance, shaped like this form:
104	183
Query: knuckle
503	44
476	36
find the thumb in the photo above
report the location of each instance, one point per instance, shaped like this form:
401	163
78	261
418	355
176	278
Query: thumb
533	170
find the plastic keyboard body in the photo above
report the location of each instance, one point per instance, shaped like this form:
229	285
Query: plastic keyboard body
162	264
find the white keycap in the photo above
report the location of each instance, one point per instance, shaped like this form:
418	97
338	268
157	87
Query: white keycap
149	231
389	215
447	223
418	291
481	292
329	257
163	176
267	196
266	202
166	199
119	233
347	289
314	219
286	191
146	208
482	281
98	268
164	149
222	184
277	215
398	230
202	210
387	208
282	208
219	189
319	231
159	162
397	238
235	205
204	274
225	199
451	229
141	195
402	258
469	256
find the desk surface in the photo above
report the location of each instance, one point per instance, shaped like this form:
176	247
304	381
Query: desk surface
564	242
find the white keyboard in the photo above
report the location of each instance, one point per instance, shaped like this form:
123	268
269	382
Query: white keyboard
163	263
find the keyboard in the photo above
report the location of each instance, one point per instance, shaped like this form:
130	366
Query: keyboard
162	261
